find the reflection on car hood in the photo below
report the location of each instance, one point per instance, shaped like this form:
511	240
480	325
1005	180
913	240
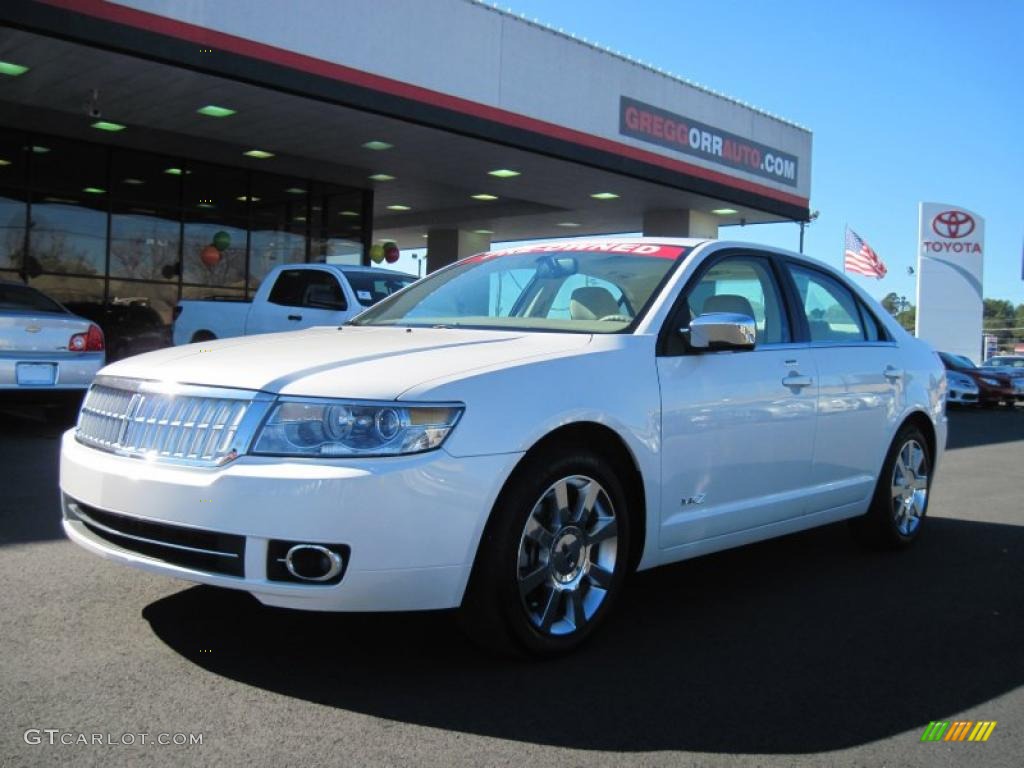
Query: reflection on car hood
355	361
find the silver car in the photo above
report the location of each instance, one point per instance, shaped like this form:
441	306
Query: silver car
45	351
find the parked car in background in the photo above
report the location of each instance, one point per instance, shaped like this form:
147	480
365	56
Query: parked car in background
514	434
994	386
130	326
1012	365
291	297
961	389
47	354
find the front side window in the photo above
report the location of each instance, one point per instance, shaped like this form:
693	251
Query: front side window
370	288
831	310
577	287
742	285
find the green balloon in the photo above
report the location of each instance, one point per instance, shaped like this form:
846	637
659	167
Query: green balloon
222	241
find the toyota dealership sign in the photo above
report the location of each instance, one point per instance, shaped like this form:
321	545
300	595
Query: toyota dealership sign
950	258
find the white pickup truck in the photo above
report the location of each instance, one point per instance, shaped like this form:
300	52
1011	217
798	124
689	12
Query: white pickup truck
292	296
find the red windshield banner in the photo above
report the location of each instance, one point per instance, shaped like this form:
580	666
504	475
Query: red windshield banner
632	249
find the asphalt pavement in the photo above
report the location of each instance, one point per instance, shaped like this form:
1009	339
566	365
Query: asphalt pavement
803	651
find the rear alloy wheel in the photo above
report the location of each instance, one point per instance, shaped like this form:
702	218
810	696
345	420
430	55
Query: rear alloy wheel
900	503
553	558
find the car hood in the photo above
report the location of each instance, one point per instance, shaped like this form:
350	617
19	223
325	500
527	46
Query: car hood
353	361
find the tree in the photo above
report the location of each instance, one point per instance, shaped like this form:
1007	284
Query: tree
891	303
908	318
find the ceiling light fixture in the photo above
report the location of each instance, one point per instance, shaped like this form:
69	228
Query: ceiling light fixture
106	125
212	110
173	171
567	224
377	146
484	196
134	182
4	162
503	173
349	213
295	191
39	149
12	69
724	211
604	196
483	231
94	190
259	154
246	199
399	208
382	177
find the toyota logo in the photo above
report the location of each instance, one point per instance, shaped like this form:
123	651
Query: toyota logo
953	224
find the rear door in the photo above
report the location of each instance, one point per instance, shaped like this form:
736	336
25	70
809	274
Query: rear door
301	297
737	427
860	379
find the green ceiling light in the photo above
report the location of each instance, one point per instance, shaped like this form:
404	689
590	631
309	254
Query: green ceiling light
382	177
295	191
724	211
397	207
247	199
106	125
483	231
604	196
94	190
299	218
212	110
12	69
377	146
4	162
349	213
173	171
503	173
567	224
484	196
39	149
134	182
259	154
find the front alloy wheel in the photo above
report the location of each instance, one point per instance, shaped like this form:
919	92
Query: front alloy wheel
909	487
553	556
567	555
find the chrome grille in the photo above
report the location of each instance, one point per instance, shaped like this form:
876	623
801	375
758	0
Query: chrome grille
184	424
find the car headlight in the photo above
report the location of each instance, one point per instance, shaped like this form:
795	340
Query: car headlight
990	382
961	382
302	427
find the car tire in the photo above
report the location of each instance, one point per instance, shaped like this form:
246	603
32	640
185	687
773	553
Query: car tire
900	502
553	557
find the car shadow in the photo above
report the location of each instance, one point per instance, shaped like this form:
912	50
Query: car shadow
797	645
972	426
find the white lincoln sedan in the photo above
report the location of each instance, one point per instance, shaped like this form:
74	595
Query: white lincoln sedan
514	434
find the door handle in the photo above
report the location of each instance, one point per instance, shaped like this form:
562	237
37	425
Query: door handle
294	317
796	381
892	374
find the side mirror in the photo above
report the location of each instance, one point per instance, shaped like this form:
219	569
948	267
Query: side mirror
721	331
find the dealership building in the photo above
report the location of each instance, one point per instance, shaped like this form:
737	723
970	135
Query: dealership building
135	135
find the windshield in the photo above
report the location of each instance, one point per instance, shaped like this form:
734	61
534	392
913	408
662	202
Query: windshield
577	287
1005	362
371	288
956	361
21	298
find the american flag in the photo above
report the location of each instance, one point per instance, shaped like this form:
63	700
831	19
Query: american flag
860	259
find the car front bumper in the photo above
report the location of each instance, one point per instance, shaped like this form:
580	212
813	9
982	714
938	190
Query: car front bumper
411	524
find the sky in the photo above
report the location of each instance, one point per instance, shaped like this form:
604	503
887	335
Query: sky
908	101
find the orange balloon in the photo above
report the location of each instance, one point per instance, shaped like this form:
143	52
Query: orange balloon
210	256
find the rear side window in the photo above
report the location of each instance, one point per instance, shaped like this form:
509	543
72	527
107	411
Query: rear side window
311	288
21	298
873	330
370	288
831	310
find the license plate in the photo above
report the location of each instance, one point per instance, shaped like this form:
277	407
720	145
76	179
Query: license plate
37	374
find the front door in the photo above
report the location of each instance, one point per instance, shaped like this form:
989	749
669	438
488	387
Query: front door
737	427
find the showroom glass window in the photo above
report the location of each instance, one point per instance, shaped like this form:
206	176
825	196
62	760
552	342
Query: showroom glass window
216	213
13	207
280	224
